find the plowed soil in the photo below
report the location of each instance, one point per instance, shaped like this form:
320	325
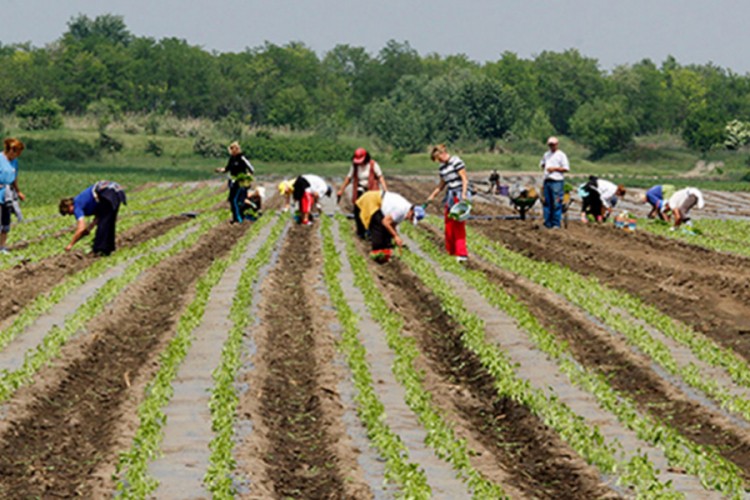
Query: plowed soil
69	427
536	459
26	280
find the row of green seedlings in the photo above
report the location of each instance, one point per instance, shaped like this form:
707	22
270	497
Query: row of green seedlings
46	219
49	247
44	302
406	475
604	303
440	435
224	399
135	482
635	471
714	471
730	236
49	348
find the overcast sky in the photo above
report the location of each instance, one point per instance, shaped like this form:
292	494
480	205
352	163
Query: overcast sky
613	32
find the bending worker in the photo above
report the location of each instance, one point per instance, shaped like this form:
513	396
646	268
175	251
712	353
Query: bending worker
680	204
655	197
306	190
380	213
102	200
598	197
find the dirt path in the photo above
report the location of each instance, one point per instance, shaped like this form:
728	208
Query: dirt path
25	281
70	427
536	460
297	430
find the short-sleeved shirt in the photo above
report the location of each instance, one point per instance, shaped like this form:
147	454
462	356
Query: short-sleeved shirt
449	173
85	203
395	206
8	173
317	184
363	173
554	160
679	198
607	192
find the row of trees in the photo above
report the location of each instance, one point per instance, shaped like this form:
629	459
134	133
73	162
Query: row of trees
405	99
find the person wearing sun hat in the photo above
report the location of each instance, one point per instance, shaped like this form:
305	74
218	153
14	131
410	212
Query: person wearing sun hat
380	212
365	175
555	164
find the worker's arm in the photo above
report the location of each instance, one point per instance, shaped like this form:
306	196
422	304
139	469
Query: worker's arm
383	185
677	217
21	196
436	190
80	232
464	183
340	192
391	228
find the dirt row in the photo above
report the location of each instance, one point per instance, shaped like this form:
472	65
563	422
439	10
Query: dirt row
537	461
708	290
298	447
63	431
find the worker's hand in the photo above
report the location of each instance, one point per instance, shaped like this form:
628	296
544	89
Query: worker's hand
219	170
21	196
399	242
68	248
338	198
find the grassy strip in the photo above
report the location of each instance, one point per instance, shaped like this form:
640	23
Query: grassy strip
136	482
731	236
224	399
603	303
713	470
50	347
635	471
440	435
407	475
43	303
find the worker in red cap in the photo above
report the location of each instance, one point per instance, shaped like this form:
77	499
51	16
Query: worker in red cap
365	175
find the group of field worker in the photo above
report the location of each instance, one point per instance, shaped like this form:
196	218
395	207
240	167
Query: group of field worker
377	211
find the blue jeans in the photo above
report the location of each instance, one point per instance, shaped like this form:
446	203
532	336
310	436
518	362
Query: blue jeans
553	195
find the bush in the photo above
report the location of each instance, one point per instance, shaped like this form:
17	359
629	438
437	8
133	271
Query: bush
154	148
604	125
109	143
62	149
207	148
40	114
312	149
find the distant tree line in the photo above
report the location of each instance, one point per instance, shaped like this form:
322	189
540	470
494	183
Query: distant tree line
404	99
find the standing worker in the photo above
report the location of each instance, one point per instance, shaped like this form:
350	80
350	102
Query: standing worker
655	197
380	213
306	190
365	175
680	204
555	164
240	172
453	175
102	200
598	198
12	149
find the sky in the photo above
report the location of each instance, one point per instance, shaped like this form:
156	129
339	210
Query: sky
612	32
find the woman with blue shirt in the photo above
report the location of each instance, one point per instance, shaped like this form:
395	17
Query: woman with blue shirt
12	149
102	200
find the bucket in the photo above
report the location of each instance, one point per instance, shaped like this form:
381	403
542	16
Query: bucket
632	224
460	211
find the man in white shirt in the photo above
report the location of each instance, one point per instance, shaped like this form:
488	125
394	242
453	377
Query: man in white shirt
680	204
380	213
555	164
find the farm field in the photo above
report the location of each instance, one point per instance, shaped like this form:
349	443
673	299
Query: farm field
272	360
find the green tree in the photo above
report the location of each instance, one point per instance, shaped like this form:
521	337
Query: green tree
40	114
292	107
704	129
491	108
604	125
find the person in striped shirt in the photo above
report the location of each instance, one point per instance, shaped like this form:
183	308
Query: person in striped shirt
453	177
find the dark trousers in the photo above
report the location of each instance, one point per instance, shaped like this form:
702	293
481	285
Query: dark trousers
236	198
380	238
592	202
361	231
106	216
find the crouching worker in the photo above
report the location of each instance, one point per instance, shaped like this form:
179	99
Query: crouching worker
680	204
656	196
306	190
380	213
102	200
254	203
598	198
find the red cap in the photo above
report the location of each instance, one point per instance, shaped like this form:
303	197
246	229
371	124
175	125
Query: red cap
359	155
